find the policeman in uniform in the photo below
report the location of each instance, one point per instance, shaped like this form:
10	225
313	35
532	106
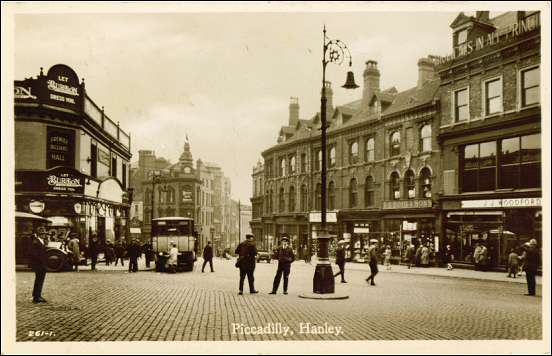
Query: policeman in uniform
285	257
38	262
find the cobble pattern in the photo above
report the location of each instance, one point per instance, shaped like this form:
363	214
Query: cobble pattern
149	306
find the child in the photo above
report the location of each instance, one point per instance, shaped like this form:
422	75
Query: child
387	258
513	263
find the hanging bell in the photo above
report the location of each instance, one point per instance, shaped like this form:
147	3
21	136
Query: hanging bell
350	82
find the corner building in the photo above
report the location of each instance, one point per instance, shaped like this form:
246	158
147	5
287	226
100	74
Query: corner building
490	134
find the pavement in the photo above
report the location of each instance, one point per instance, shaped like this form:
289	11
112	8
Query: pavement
418	304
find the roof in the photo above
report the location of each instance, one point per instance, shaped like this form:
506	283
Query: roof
172	218
413	97
504	20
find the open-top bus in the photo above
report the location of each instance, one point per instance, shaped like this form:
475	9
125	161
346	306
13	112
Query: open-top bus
177	230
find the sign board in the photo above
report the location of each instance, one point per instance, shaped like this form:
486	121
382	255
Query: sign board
408	204
104	157
60	147
135	230
187	196
37	206
316	217
63	88
503	203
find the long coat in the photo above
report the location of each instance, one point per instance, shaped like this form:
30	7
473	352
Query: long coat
38	259
340	256
74	247
285	256
208	252
246	251
424	258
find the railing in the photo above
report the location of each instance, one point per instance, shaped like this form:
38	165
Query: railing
99	116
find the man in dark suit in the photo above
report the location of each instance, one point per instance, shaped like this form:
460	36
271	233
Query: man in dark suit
38	262
134	252
207	257
340	260
246	252
285	257
531	259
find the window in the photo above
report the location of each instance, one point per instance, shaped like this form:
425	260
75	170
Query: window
282	167
461	105
291	200
304	198
353	193
461	36
369	192
395	185
282	201
332	156
303	163
114	166
479	167
171	195
292	165
370	150
493	96
318	165
147	197
425	138
124	178
530	86
425	183
318	197
520	162
93	160
395	147
331	196
409	185
353	152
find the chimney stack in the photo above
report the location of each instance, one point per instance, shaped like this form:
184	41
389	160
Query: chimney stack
293	111
371	82
482	16
426	70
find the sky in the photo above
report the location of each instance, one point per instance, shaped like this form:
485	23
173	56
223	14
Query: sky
223	78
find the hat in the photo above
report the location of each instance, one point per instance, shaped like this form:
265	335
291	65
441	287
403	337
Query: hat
533	242
73	235
285	238
41	230
341	242
249	236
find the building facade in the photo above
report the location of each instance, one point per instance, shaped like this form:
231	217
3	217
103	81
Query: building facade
71	159
491	134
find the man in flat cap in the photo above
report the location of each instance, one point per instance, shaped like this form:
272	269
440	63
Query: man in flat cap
531	259
38	261
74	246
246	252
285	257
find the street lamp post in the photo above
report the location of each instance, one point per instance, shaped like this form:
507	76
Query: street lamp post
334	51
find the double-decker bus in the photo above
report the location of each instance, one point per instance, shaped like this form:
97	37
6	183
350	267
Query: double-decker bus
174	230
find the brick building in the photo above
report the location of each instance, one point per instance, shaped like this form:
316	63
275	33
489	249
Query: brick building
490	134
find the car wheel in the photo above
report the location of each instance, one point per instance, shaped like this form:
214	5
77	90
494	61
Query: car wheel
55	260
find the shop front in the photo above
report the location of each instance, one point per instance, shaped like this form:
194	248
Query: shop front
499	224
314	229
73	201
359	228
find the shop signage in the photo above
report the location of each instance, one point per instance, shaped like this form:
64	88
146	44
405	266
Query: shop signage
23	93
186	196
63	87
408	204
103	157
65	180
60	148
37	206
503	203
78	208
407	226
361	228
331	217
514	30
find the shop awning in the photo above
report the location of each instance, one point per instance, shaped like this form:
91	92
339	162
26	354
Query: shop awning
22	215
471	213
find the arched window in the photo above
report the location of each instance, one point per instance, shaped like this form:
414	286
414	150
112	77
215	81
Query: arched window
170	195
369	191
291	199
292	165
395	145
318	166
395	185
318	197
409	185
425	183
282	167
282	200
370	150
353	193
162	195
332	156
425	138
267	202
331	196
353	152
304	198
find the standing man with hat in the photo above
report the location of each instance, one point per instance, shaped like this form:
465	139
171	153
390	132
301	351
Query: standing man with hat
373	261
285	257
74	246
531	259
208	257
340	260
38	261
246	252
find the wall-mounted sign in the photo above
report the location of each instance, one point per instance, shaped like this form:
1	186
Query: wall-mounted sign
104	157
503	203
63	88
408	204
331	217
57	180
20	92
60	149
187	196
408	226
37	206
78	208
65	182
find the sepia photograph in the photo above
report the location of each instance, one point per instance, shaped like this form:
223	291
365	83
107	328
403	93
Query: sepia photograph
275	178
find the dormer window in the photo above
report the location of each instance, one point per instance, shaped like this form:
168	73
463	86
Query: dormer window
461	37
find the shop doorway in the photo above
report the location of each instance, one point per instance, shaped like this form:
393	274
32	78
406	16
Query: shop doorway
101	230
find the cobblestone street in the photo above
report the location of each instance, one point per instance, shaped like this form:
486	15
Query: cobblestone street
112	305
